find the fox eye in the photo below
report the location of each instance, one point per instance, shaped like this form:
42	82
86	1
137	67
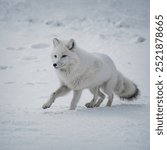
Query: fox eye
64	56
55	56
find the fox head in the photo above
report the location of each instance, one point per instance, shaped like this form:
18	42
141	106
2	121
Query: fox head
64	54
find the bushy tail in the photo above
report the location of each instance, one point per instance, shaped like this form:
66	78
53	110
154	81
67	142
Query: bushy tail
125	88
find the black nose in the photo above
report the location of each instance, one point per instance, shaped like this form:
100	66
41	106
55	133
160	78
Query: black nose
54	65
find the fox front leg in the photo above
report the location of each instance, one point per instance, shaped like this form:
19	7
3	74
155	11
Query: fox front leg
75	99
61	91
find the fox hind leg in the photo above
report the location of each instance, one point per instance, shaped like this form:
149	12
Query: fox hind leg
108	90
101	98
92	103
110	99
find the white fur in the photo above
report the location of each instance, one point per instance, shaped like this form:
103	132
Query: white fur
78	70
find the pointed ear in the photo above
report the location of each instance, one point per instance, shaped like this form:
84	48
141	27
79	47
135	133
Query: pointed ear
56	42
71	44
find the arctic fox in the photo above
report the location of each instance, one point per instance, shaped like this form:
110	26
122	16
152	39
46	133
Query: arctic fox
78	70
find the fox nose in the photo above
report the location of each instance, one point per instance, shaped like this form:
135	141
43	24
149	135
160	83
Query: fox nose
55	65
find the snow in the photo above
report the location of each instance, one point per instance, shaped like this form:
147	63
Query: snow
118	28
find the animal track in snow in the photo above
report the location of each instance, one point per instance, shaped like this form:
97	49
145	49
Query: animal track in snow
5	67
122	24
54	23
42	83
29	83
40	46
9	82
29	58
138	39
15	49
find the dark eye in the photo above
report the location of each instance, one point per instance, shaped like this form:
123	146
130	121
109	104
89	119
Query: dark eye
55	56
64	56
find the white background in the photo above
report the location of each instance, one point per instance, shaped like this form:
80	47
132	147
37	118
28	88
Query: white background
157	7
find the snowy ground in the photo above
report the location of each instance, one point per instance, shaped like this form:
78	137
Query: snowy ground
119	28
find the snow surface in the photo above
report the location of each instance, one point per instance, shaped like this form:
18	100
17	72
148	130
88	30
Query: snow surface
119	28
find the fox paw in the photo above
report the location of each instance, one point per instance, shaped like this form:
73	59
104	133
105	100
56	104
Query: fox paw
46	105
89	105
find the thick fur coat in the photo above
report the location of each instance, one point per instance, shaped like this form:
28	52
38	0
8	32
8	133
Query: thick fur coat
78	70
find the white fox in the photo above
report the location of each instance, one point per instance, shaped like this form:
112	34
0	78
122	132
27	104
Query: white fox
79	70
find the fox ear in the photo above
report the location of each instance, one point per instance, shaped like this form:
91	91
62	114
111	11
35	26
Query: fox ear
56	42
71	44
